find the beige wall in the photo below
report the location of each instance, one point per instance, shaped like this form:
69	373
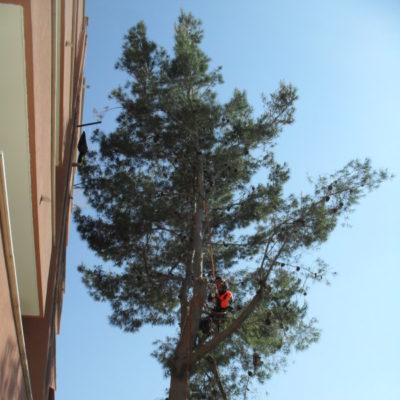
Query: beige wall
15	125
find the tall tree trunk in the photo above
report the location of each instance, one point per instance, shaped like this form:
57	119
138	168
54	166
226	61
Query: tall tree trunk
178	389
182	360
198	220
181	363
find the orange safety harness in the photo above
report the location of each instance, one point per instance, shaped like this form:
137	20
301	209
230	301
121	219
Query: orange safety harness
224	299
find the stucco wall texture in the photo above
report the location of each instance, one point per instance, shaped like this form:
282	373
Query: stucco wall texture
42	92
52	177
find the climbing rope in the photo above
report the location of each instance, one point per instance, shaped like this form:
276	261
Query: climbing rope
188	354
209	237
190	310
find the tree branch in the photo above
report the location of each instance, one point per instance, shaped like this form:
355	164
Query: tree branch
233	327
214	368
237	322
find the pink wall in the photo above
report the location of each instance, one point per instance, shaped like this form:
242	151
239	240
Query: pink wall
42	91
66	79
39	332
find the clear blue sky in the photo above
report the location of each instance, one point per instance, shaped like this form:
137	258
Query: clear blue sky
344	58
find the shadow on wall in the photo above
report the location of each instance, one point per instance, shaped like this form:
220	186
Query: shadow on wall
11	382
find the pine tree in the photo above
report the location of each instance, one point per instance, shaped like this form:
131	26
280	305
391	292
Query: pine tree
177	172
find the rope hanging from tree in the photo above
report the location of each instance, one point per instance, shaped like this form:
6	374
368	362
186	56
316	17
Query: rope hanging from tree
189	316
209	238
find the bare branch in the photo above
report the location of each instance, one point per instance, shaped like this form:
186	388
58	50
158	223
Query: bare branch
214	368
237	322
233	327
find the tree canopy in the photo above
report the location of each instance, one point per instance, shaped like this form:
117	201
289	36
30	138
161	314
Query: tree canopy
175	181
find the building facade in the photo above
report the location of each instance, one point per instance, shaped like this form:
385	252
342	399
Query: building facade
42	53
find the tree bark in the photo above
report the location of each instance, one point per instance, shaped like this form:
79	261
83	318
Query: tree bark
181	363
178	387
198	220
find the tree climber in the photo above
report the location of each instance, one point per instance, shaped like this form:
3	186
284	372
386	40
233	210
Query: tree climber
224	296
222	300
